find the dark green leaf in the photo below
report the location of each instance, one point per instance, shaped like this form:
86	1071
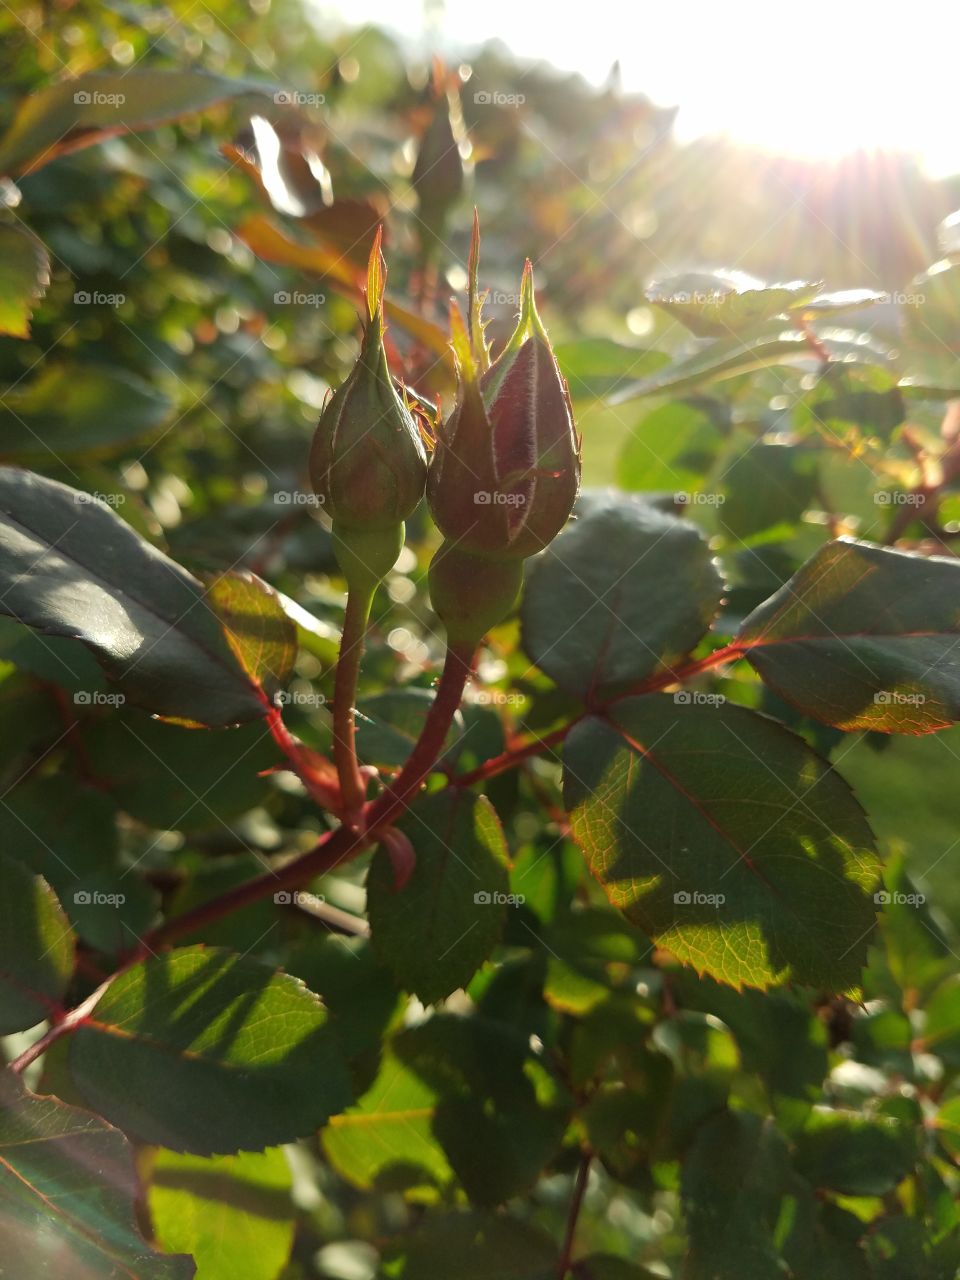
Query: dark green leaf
736	1178
70	410
588	614
765	486
73	568
725	838
436	932
204	1051
475	1246
389	723
36	948
863	637
853	1154
66	832
67	1195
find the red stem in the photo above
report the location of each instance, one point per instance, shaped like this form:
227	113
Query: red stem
337	846
508	759
352	786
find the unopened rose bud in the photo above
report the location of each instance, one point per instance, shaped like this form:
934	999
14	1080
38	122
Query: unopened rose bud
506	470
368	463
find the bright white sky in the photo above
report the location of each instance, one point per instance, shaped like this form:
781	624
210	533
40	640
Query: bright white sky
811	79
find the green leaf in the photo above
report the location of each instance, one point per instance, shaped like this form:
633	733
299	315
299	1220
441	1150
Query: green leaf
853	1154
201	1050
619	595
36	948
776	344
386	1141
71	567
734	1217
233	1213
595	367
777	1035
263	638
916	950
78	409
75	113
24	276
389	723
67	833
930	330
480	1246
947	1125
606	1266
172	778
436	932
941	1030
725	358
500	1114
767	485
67	1195
670	449
724	837
724	304
587	950
863	637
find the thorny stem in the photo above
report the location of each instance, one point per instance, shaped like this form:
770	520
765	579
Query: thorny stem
352	786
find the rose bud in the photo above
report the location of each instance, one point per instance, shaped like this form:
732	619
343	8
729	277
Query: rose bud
368	463
506	469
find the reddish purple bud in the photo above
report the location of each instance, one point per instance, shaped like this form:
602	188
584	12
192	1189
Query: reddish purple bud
506	470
